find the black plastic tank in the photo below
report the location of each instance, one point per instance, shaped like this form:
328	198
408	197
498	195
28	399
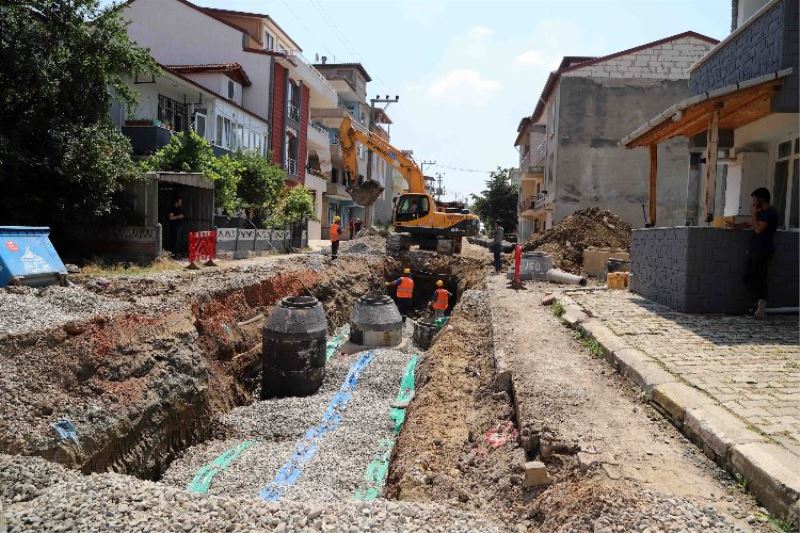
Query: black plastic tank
293	349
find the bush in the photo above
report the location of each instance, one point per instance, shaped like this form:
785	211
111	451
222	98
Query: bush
261	183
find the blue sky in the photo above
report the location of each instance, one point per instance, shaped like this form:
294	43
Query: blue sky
467	71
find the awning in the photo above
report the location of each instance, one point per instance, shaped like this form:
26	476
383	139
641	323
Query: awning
738	104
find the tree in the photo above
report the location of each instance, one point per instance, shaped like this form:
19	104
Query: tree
261	183
498	202
297	205
61	159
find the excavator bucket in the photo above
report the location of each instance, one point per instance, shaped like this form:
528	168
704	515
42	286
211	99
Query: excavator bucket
366	193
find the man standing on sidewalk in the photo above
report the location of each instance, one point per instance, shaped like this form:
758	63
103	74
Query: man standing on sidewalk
764	221
497	246
335	235
405	292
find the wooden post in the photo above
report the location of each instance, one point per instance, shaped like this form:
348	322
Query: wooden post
652	189
712	144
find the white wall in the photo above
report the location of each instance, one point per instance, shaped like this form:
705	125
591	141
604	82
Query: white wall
177	34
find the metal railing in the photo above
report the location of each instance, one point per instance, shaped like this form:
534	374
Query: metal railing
295	53
294	112
319	127
291	166
534	202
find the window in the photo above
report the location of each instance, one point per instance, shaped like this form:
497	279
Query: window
291	153
231	90
786	184
293	101
360	150
412	207
172	115
334	175
200	123
223	136
269	41
218	132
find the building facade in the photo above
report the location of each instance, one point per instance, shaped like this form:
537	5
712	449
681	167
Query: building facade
585	108
272	81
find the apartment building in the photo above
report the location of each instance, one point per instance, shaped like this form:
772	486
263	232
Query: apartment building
569	151
244	59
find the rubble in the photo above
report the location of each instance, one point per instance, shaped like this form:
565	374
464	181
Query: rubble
566	241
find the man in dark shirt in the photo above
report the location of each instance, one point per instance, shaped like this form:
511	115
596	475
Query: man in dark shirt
176	225
764	220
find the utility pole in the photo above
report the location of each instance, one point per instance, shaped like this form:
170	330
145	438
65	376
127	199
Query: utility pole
422	169
439	190
371	128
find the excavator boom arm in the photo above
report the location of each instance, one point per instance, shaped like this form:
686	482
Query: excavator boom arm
349	135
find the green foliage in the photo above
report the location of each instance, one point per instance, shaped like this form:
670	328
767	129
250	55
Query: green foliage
61	161
188	152
261	183
297	205
185	152
498	202
558	309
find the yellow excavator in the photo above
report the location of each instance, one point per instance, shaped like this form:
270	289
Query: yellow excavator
417	218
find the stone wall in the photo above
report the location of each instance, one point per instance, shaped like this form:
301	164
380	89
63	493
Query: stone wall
767	44
701	270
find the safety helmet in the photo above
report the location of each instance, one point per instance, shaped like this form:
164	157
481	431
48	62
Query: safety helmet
406	271
337	218
439	283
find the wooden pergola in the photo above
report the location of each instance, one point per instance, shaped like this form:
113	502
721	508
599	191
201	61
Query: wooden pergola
726	108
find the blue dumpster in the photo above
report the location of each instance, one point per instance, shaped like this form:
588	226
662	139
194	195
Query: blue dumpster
27	256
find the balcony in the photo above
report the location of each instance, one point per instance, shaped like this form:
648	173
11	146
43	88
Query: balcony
763	44
291	166
534	202
321	91
337	191
318	136
146	140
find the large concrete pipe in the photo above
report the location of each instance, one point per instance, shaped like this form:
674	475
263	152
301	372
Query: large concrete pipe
375	321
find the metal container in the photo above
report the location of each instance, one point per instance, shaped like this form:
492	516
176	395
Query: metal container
375	321
293	349
28	257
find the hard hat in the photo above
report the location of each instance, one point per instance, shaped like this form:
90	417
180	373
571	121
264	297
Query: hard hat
439	283
337	218
406	271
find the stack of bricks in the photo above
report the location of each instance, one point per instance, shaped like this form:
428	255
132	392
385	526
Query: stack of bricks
701	270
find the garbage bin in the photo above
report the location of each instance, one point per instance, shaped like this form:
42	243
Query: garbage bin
28	257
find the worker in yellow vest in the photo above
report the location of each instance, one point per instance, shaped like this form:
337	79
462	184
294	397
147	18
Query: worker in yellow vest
335	236
441	299
405	292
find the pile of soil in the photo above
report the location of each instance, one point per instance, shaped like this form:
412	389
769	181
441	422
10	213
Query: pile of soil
565	242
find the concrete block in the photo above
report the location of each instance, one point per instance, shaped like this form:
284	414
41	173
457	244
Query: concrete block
627	357
675	398
716	430
549	299
772	474
536	474
647	375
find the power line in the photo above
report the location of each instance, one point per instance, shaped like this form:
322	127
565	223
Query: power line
460	169
306	26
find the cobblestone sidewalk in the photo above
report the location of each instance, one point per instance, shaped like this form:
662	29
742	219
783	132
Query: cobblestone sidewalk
750	367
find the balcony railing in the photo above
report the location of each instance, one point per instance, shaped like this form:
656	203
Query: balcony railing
296	54
535	202
291	166
294	112
540	200
319	127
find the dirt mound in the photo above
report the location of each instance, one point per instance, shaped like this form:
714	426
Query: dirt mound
565	242
373	231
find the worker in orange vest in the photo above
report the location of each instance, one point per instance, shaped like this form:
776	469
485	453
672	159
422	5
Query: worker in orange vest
441	299
405	292
335	236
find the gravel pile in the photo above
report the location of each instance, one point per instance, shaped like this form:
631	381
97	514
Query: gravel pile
624	507
369	245
475	303
27	308
23	478
339	466
112	502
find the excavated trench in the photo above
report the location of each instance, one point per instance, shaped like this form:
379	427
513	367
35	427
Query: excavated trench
143	386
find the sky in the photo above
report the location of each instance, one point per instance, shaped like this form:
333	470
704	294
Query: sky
467	71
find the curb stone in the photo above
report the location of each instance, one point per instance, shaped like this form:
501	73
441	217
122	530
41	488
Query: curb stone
772	472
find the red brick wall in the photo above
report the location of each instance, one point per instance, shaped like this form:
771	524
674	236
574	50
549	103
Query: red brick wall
277	128
303	141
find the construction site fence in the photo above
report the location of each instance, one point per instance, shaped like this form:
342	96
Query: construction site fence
240	243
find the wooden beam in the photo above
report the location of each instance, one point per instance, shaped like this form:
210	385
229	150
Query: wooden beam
652	189
711	164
